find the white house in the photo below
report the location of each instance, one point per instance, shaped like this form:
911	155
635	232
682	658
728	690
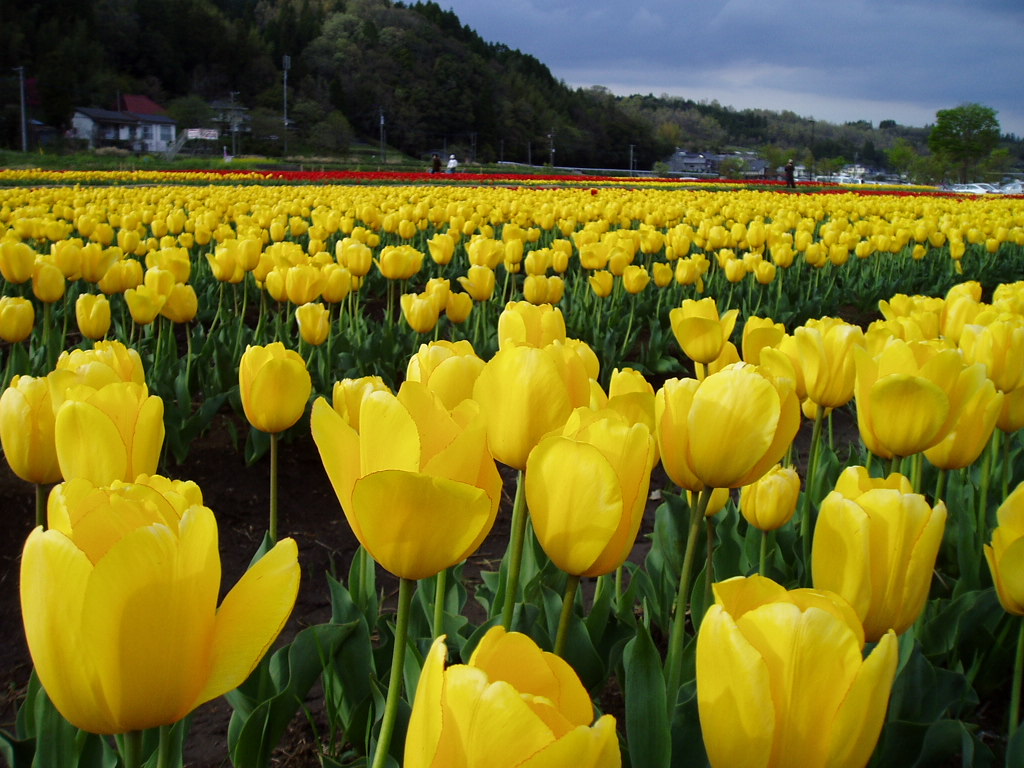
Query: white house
140	127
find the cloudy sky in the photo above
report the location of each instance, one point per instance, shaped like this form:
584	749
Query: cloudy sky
874	60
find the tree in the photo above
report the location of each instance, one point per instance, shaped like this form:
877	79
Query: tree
901	156
964	135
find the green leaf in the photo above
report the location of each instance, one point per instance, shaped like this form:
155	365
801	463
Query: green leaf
266	703
1015	749
647	728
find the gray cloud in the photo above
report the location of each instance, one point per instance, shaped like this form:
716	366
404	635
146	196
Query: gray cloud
860	59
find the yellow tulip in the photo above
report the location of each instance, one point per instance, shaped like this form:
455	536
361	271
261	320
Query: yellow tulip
442	248
586	489
92	312
511	705
119	602
877	549
314	323
523	323
904	396
633	397
111	433
1005	555
770	501
274	386
420	311
17	318
337	283
47	282
27	430
144	303
758	333
106	362
525	392
478	282
699	329
738	424
782	681
635	278
976	421
354	255
602	282
226	263
181	304
448	369
17	261
999	346
348	394
303	283
122	275
825	351
458	307
399	262
416	481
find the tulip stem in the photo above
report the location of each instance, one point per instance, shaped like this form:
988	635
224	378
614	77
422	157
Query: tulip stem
1018	674
41	505
940	485
131	749
806	529
387	726
674	660
163	759
515	552
762	567
568	599
273	486
439	592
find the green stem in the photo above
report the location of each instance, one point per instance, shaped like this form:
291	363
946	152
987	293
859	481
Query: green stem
439	593
1007	439
709	565
940	485
387	726
806	528
1018	673
568	599
515	551
273	486
674	660
41	495
131	749
986	477
163	759
762	567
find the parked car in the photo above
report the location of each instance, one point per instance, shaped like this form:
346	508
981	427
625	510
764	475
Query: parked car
971	189
1012	188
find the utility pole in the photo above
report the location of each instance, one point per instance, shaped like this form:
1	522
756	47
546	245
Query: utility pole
287	64
234	125
551	154
631	159
383	156
21	95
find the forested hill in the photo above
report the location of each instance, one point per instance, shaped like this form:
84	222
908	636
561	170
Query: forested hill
433	82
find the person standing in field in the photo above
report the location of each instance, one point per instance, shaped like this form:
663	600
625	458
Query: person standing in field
790	174
452	164
435	163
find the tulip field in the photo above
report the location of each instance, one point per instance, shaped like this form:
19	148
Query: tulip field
639	472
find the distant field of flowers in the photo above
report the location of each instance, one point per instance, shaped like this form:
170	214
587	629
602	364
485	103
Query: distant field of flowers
803	599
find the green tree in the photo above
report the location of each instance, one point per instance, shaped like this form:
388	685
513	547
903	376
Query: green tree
965	136
901	156
190	112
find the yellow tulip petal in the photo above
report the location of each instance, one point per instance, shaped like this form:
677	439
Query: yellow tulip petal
841	553
854	732
388	437
54	578
147	621
504	730
737	715
575	501
582	747
147	438
732	422
907	413
425	722
516	659
89	444
415	525
250	619
338	445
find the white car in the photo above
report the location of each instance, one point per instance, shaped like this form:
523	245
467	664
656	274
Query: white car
971	189
1012	188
